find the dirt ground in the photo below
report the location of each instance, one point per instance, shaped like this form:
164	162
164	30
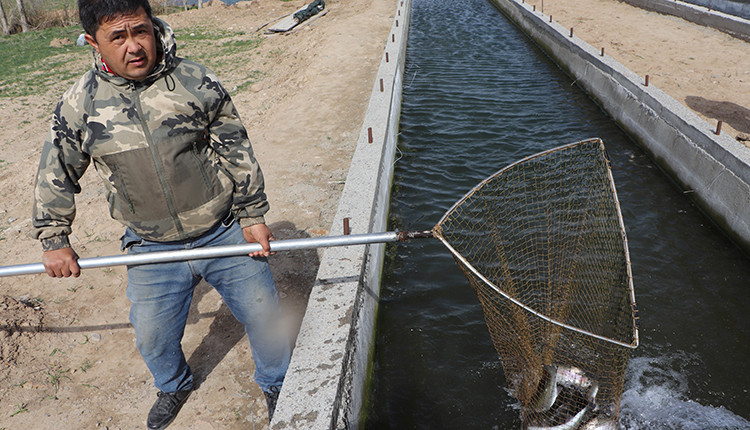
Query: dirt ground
704	69
68	357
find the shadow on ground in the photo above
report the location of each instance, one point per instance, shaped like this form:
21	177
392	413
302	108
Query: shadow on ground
732	114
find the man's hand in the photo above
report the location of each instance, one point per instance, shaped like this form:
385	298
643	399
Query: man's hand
61	263
259	233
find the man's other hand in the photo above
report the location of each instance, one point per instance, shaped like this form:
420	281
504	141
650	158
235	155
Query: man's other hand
61	263
259	233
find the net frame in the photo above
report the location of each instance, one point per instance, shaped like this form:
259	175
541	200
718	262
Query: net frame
568	344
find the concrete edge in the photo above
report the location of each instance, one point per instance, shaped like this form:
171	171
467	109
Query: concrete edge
326	381
732	7
714	170
736	26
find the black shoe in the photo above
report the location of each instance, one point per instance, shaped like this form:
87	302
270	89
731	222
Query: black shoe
165	409
272	396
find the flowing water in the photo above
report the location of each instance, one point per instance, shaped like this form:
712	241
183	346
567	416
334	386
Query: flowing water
479	95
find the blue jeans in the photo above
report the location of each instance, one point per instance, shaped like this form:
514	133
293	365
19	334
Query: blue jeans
160	296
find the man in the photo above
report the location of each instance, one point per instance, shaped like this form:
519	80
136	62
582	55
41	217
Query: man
180	173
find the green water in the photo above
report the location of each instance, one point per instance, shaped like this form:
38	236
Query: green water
479	95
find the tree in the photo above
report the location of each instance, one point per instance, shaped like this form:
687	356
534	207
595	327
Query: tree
6	27
22	12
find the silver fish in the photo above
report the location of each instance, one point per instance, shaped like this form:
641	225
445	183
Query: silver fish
600	423
576	378
573	377
573	424
547	392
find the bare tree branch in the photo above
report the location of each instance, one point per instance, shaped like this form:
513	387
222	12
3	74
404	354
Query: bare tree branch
6	27
22	12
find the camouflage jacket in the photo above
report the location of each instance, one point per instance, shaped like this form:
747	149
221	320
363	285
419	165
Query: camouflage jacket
171	150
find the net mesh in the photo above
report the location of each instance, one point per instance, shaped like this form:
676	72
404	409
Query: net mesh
543	245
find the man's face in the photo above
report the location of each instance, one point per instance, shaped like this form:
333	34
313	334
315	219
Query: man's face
127	44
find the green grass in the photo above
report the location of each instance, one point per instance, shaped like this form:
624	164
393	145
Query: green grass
86	366
252	77
30	66
193	34
19	409
55	375
209	45
224	52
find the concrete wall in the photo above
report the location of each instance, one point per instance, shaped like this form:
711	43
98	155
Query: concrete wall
724	20
713	170
727	6
327	380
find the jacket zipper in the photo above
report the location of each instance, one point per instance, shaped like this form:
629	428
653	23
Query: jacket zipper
200	164
154	153
124	192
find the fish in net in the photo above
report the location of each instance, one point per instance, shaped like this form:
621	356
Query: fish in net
543	245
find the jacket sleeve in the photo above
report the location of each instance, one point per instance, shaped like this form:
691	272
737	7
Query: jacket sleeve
60	168
235	156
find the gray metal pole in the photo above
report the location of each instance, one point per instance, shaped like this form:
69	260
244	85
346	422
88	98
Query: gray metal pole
221	251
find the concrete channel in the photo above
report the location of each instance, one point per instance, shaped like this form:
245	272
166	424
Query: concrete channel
328	378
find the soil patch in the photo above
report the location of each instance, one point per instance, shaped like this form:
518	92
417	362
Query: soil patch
704	69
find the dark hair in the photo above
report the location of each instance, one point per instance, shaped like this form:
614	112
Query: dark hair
94	12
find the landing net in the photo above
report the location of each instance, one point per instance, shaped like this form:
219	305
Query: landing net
543	244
